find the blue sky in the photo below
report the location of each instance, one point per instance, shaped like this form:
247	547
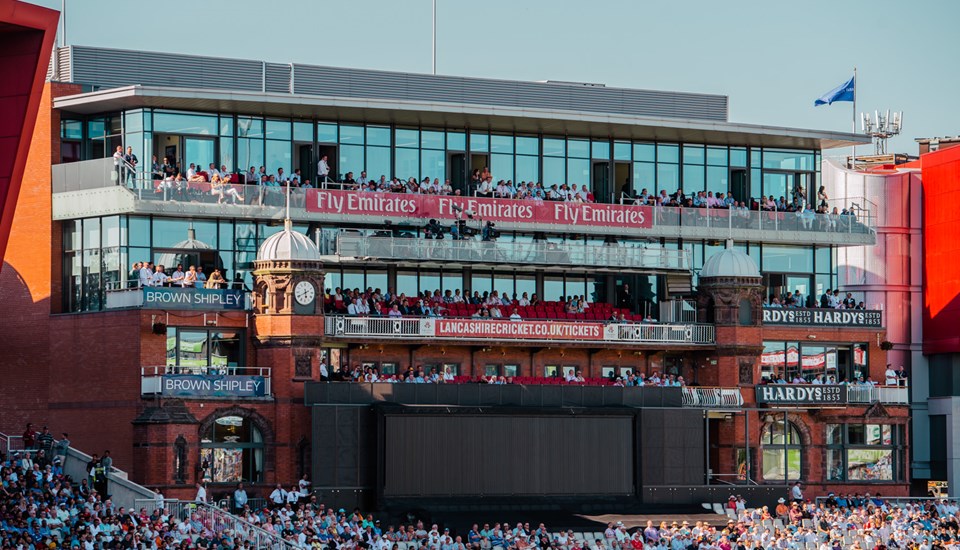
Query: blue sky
772	58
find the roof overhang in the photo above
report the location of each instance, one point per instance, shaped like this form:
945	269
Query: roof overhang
26	39
455	115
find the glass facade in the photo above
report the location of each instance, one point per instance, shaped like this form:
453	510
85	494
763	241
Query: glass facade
98	254
239	142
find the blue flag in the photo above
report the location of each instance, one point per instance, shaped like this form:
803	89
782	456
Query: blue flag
843	92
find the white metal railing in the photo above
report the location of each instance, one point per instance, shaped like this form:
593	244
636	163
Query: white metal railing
151	378
892	395
540	253
678	311
13	443
712	397
218	521
99	173
504	329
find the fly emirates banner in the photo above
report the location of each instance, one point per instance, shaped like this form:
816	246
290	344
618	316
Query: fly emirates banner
440	207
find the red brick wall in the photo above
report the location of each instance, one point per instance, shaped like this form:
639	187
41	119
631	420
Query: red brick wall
29	275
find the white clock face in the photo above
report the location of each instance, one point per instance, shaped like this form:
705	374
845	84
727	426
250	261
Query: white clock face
304	292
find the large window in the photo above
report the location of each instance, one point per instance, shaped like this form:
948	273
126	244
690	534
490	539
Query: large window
782	452
232	451
832	363
864	452
202	349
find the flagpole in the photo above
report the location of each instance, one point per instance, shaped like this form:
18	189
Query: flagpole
854	121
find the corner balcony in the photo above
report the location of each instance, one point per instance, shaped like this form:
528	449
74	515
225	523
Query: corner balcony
526	331
96	188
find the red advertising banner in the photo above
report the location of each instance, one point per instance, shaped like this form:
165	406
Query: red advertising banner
537	330
443	207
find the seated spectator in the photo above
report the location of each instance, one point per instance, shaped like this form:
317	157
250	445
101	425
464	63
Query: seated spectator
515	316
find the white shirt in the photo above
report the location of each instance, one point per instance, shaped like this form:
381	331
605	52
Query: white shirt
891	377
159	278
201	494
278	496
323	369
796	493
146	276
323	168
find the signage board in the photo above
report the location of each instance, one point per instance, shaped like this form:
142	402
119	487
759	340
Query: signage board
537	330
824	317
801	394
443	207
201	299
203	385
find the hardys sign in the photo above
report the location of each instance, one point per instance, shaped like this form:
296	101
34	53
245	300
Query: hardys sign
791	395
440	207
193	298
825	317
197	385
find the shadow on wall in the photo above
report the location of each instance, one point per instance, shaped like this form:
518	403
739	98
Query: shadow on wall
24	355
940	334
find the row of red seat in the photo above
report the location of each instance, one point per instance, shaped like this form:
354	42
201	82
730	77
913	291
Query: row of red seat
538	381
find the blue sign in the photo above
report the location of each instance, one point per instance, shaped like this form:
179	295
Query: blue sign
202	385
209	299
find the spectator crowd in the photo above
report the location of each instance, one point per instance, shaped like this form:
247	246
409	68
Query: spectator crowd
42	508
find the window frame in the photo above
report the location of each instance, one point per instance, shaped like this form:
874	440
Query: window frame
895	446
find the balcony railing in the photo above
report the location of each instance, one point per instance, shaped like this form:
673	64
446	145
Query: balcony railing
470	329
888	395
539	253
829	395
217	382
720	398
121	191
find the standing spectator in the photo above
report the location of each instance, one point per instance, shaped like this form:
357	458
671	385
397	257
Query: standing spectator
890	376
239	498
323	170
45	441
901	376
29	437
62	446
106	466
201	277
278	497
625	299
796	493
118	164
201	493
130	164
304	485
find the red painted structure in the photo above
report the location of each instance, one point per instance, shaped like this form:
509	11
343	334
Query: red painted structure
26	41
941	270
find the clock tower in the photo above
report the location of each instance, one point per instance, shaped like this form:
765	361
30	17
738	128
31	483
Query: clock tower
288	306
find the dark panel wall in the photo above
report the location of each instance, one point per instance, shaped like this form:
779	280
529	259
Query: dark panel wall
344	448
493	455
671	446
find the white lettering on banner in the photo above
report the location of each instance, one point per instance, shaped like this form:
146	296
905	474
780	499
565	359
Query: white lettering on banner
501	210
525	329
195	297
784	394
832	317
